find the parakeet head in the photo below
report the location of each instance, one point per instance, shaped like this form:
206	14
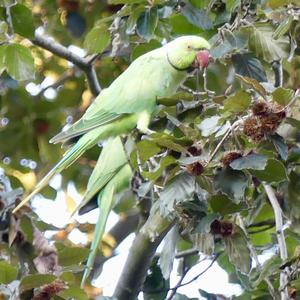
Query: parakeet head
184	51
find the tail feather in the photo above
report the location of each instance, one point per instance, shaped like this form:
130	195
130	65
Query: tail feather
87	141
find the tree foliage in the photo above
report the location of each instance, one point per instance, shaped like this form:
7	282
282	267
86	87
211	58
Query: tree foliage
218	179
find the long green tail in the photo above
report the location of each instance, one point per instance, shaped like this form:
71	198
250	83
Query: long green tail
84	143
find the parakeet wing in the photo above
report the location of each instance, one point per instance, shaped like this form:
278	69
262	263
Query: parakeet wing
135	90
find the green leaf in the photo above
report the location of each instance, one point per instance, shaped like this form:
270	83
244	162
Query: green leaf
132	19
19	62
231	5
282	96
249	66
74	292
2	58
280	145
144	48
8	273
179	96
182	297
167	141
237	103
262	43
179	189
251	161
293	122
205	222
126	1
167	254
294	195
72	255
3	31
33	281
7	2
22	20
269	267
146	23
223	205
231	43
237	250
196	16
273	172
209	125
283	28
27	228
97	39
147	149
254	84
165	162
232	183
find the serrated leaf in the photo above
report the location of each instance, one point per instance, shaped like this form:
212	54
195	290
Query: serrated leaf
269	267
237	103
254	84
262	43
8	273
294	195
146	149
223	205
251	161
205	222
115	2
209	125
146	23
249	66
27	228
273	172
168	252
237	250
22	20
283	28
168	141
165	162
132	19
280	145
232	183
3	31
19	62
97	39
293	122
33	281
181	188
197	17
282	96
231	5
231	43
2	58
72	255
74	292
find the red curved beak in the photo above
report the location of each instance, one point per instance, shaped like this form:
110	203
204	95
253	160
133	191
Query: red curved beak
203	59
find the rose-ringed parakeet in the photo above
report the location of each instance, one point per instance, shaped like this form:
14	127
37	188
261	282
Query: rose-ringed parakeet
131	99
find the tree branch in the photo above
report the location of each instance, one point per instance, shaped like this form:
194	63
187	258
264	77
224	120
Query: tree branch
82	63
140	256
280	237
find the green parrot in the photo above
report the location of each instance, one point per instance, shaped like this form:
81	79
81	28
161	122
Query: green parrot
130	100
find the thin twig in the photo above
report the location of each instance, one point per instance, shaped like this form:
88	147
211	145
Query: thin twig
280	237
174	289
229	130
82	63
200	274
188	252
63	78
